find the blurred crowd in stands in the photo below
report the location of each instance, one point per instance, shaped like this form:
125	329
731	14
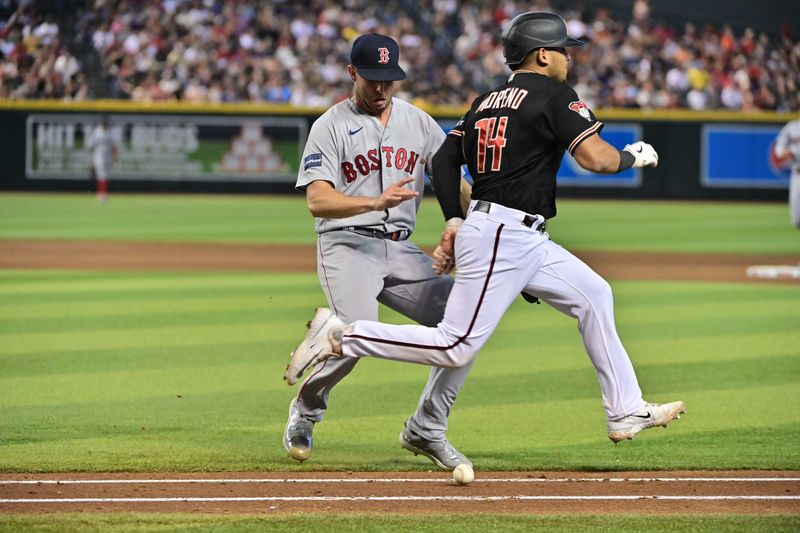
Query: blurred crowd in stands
34	61
285	51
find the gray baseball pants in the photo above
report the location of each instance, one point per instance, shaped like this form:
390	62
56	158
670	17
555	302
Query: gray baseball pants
356	273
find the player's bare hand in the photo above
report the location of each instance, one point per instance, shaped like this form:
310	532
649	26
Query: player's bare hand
442	263
394	195
444	254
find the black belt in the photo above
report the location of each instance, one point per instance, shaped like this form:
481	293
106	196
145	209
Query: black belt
400	235
528	220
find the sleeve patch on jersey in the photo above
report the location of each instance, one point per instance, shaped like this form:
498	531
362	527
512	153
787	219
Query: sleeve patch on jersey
312	160
581	109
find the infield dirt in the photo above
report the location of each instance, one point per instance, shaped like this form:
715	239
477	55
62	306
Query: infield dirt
109	255
408	492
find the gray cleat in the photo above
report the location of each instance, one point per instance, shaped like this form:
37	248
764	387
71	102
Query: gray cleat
297	435
442	453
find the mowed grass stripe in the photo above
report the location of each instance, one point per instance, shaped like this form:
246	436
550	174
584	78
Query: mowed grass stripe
660	294
699	227
157	218
88	283
645	344
544	434
249	372
755	228
543	420
548	435
201	315
145	312
654	379
744	344
401	523
98	339
152	305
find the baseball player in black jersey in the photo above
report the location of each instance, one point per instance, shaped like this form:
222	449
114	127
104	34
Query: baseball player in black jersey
513	139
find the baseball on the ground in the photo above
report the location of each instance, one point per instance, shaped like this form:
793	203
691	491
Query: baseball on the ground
463	474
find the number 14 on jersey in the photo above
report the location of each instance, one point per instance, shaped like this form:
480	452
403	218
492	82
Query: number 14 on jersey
489	137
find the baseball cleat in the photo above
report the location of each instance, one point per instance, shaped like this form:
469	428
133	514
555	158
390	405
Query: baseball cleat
650	415
442	453
297	435
317	346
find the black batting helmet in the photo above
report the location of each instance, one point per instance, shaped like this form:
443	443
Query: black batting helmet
529	31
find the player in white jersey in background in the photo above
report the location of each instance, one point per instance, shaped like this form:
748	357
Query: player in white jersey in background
786	151
363	172
103	150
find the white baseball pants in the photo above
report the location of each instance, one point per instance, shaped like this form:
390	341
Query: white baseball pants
497	258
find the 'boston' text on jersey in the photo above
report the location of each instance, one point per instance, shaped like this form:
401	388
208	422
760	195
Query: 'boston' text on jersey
401	158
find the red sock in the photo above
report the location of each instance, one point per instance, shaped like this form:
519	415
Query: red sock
102	187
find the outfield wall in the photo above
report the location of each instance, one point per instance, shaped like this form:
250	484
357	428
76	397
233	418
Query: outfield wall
245	147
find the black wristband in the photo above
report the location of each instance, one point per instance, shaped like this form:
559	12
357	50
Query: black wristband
626	160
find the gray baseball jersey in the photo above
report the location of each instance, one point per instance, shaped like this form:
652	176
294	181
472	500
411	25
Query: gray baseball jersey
360	157
788	145
352	150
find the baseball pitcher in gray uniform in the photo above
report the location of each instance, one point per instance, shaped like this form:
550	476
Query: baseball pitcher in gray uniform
363	172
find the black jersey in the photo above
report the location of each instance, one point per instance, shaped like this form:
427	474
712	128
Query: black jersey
514	137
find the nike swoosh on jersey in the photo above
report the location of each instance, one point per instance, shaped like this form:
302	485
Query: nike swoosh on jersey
353	132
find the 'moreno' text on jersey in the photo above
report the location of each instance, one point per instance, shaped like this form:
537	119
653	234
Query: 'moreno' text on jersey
511	98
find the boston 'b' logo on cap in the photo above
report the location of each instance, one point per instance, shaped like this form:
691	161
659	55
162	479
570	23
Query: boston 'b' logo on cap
375	58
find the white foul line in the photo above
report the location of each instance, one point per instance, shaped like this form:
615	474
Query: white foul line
383	499
393	480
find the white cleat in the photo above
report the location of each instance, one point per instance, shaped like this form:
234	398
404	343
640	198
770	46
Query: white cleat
650	415
317	346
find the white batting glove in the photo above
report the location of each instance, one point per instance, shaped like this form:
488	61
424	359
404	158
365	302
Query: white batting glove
644	154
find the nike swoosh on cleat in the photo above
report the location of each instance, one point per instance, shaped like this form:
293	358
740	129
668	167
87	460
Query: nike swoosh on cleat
639	150
648	415
353	132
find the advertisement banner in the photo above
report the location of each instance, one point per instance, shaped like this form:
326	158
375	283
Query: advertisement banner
740	156
571	174
168	147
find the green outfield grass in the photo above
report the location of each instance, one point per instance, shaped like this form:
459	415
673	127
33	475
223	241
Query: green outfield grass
758	228
141	371
177	371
